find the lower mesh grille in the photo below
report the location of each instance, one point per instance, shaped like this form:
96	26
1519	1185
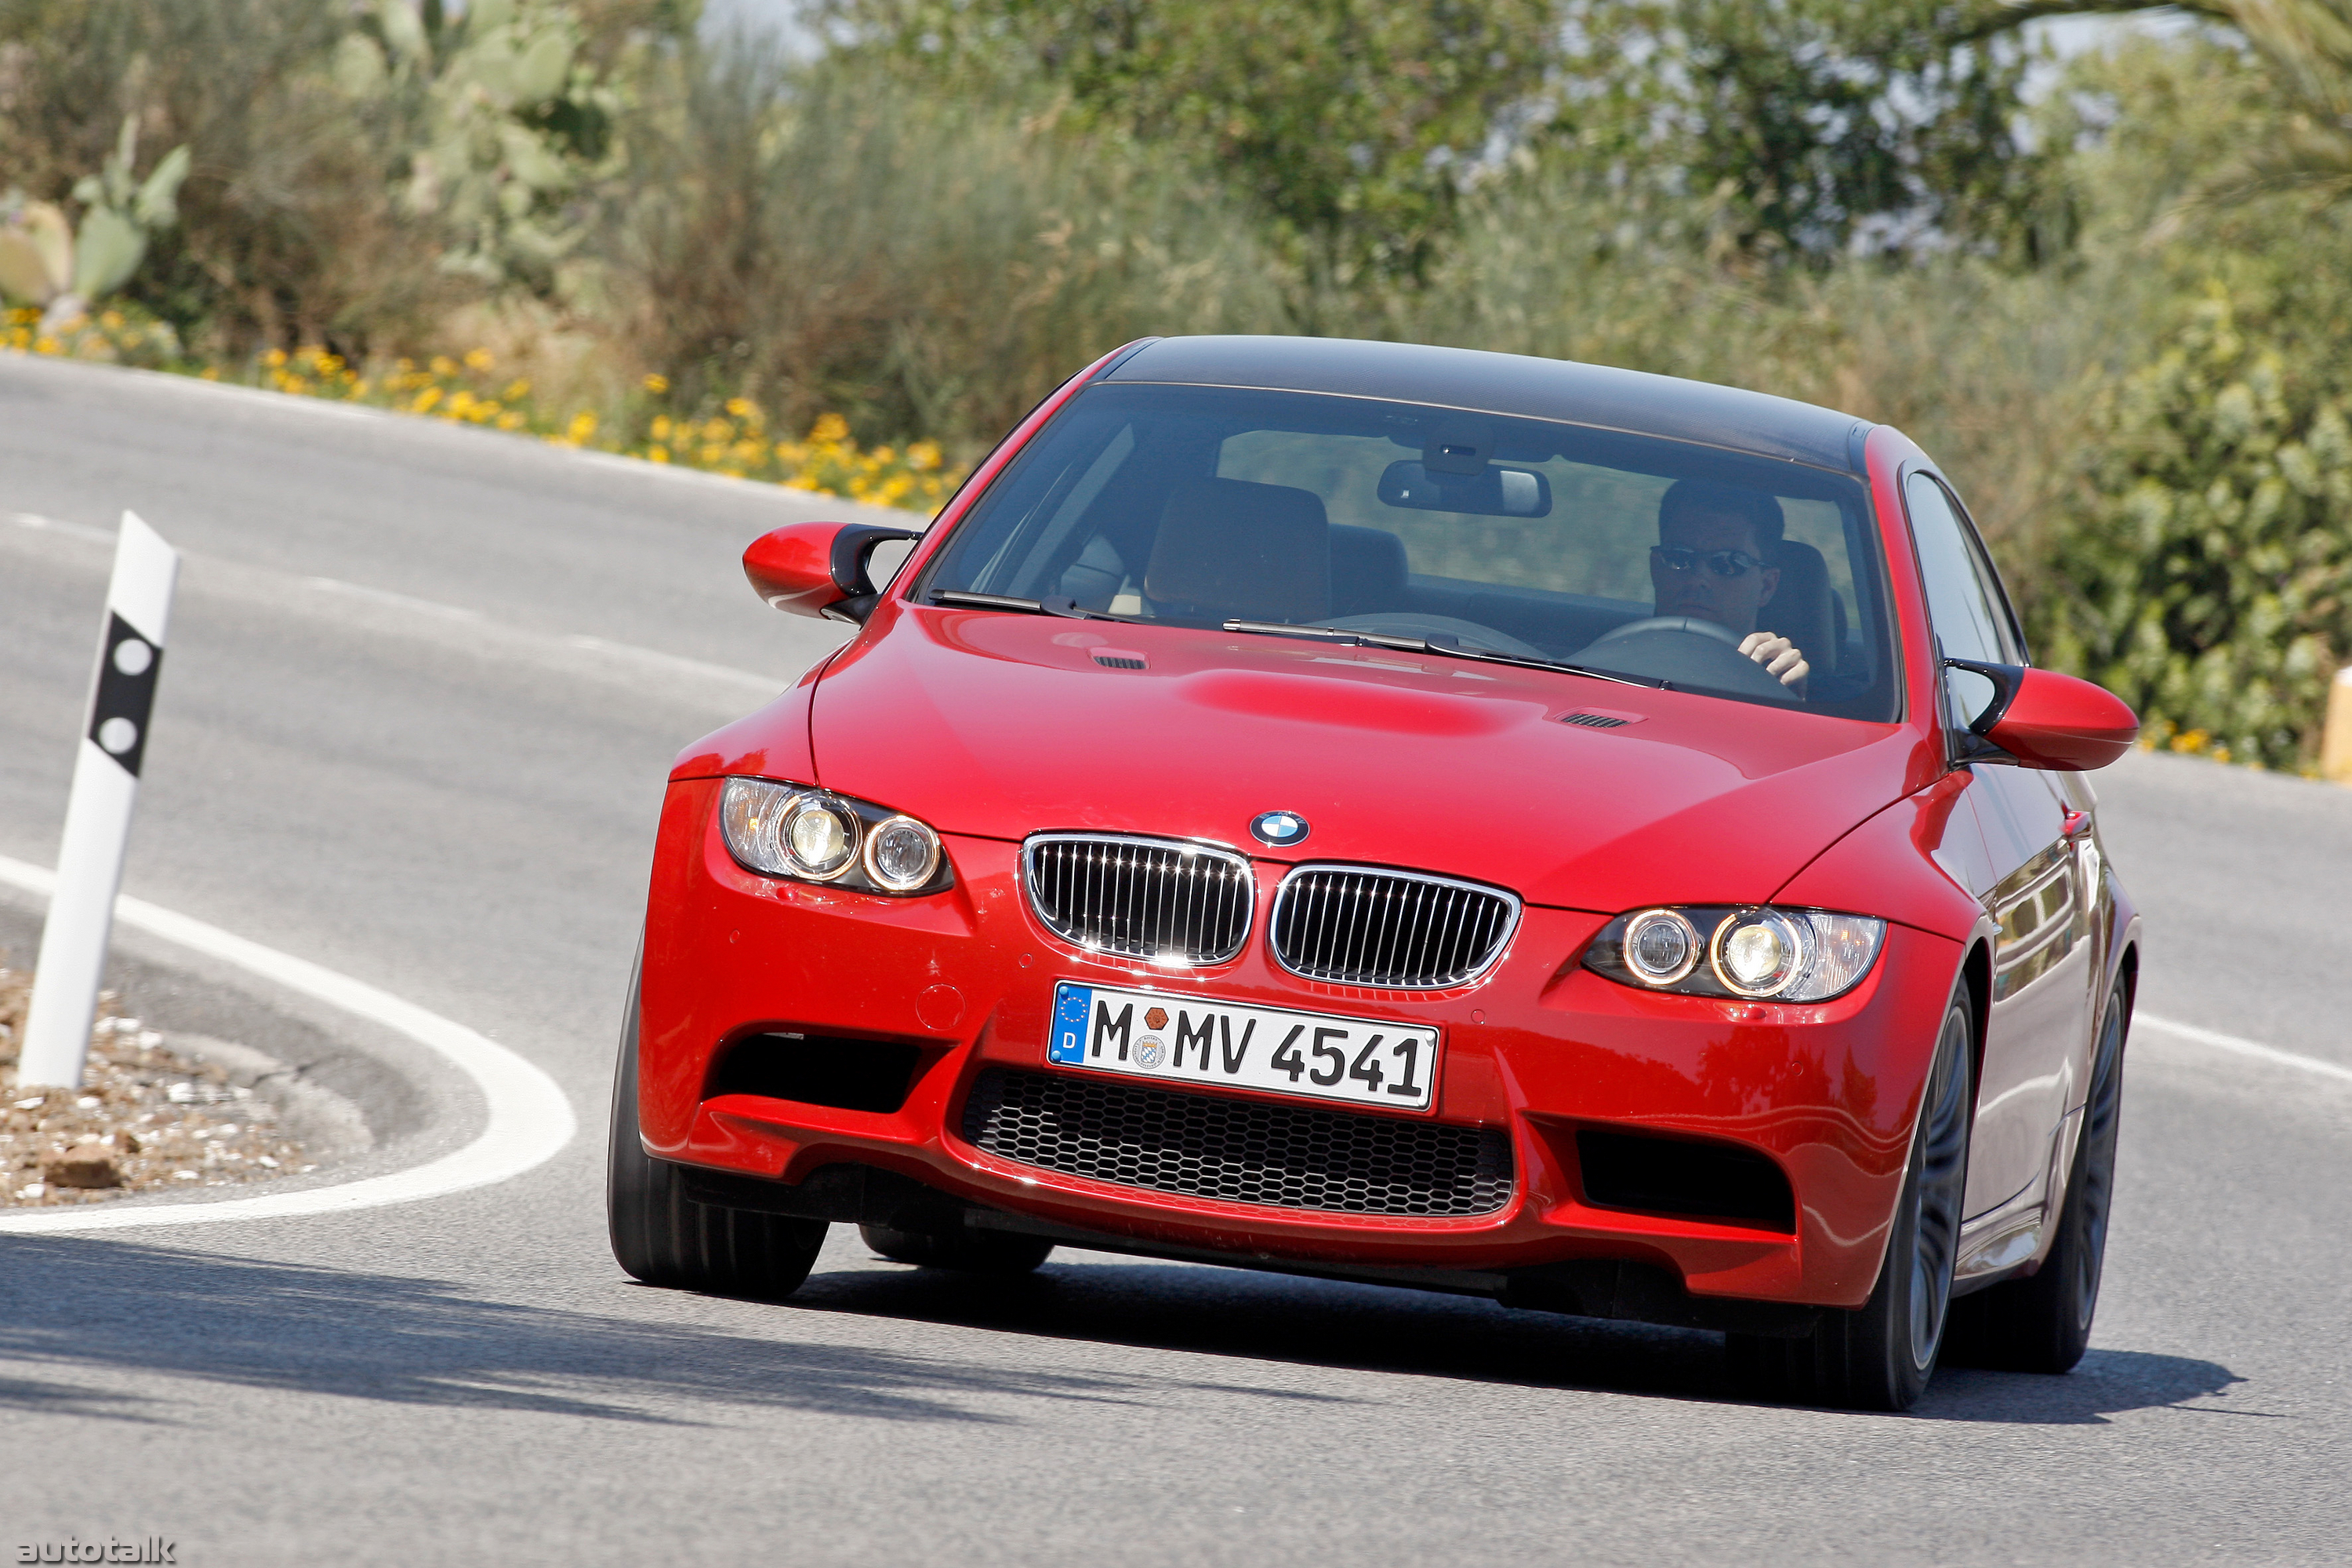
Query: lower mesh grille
1243	1152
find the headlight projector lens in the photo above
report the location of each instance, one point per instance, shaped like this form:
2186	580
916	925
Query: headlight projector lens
1660	947
902	854
1758	951
820	837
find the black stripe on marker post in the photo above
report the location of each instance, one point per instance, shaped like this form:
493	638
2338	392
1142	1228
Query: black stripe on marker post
126	694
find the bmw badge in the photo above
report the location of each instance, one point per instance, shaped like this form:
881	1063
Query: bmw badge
1280	828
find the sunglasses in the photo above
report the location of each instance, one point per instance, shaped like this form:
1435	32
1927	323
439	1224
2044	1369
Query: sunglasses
1722	563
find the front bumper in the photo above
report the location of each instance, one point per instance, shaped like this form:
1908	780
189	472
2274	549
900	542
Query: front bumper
1540	1048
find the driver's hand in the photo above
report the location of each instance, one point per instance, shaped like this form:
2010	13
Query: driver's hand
1778	655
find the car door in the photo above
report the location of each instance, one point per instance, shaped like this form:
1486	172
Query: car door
2029	879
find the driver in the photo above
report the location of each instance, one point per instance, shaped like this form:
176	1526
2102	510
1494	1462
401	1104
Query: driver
1714	541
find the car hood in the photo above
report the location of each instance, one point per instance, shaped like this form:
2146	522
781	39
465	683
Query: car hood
999	725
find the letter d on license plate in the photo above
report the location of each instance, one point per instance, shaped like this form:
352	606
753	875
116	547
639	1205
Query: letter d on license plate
1180	1040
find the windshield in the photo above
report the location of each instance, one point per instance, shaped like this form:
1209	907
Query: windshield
1649	558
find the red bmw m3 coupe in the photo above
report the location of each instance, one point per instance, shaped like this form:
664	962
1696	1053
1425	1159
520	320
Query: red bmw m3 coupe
1397	814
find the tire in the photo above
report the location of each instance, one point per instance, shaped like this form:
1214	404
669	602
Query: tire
1880	1357
664	1237
2043	1324
977	1252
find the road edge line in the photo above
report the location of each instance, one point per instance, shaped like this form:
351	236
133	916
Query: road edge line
531	1118
2254	1048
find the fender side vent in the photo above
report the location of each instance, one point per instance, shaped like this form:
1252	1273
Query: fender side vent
1685	1177
818	1069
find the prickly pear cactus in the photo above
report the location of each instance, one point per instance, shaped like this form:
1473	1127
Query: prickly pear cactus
511	123
44	262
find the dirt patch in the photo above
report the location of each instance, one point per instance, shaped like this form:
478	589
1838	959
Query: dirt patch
147	1116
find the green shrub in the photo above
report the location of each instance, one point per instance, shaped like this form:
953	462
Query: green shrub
2206	576
834	240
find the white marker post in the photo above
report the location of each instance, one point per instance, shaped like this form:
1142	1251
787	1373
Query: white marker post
98	811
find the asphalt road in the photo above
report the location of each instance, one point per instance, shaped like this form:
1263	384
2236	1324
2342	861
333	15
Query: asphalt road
437	771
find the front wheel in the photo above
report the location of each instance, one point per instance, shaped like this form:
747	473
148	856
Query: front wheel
1881	1357
664	1237
2043	1324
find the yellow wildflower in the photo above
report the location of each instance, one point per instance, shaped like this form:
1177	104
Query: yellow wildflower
477	359
656	385
829	427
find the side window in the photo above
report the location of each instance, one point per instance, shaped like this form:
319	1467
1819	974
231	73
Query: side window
1965	609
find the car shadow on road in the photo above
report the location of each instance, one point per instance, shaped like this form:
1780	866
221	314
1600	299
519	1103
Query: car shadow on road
1328	1323
174	1318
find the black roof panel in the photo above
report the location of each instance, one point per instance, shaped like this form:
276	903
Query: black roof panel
1510	383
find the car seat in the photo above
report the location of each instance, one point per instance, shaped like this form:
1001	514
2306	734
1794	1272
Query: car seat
1231	548
1802	606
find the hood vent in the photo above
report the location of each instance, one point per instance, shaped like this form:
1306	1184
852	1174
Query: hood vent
1118	658
1600	718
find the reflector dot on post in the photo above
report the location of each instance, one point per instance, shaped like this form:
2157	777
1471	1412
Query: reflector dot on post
132	657
117	735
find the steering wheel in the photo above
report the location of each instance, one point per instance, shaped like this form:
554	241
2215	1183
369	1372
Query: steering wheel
1407	624
1685	650
1697	626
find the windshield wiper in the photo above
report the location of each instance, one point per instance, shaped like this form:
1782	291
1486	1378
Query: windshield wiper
1448	646
1069	609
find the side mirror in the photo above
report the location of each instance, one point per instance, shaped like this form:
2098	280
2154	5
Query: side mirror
2041	719
819	568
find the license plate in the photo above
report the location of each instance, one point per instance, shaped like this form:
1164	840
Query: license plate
1187	1040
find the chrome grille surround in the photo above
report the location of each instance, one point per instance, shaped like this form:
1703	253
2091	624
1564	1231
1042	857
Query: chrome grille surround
1238	1151
1164	900
1402	931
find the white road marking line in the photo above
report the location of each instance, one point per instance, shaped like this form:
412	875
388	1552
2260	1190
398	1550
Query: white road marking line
397	601
639	661
2253	1048
766	686
530	1117
75	530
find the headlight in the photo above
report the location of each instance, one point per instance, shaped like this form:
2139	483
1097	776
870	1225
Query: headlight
815	836
902	854
821	837
1752	953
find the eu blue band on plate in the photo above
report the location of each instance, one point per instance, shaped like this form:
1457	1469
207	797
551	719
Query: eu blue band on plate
1070	1007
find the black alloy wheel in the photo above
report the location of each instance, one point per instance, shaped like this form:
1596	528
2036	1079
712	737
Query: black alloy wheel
664	1237
1881	1356
2042	1322
973	1251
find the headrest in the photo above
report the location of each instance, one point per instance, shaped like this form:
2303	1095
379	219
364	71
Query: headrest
1258	553
1368	570
1800	606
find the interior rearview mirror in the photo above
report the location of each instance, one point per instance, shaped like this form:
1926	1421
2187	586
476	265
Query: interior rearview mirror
1491	492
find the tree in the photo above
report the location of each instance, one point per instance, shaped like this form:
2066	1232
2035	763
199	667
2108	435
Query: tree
1345	122
2307	45
1830	126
